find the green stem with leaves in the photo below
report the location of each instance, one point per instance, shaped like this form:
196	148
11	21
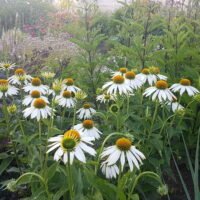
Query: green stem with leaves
70	181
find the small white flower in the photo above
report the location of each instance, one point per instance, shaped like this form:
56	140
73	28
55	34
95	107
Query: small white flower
68	84
20	77
132	80
38	110
160	91
86	112
72	143
117	86
123	150
32	96
103	98
66	99
109	171
36	84
184	86
7	66
88	129
175	106
7	89
121	72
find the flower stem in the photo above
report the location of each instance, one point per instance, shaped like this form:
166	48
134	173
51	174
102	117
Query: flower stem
153	120
74	117
70	182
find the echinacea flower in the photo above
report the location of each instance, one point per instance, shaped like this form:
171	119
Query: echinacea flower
66	99
7	89
36	84
121	71
7	66
160	91
156	71
184	86
123	150
146	77
86	111
109	171
68	84
48	75
38	109
71	144
132	80
32	96
20	77
88	129
175	106
104	98
117	86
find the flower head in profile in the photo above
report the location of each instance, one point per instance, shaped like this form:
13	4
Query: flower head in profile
38	109
7	66
88	129
71	144
57	86
123	151
121	71
111	171
36	84
20	77
184	86
104	98
28	99
68	84
7	89
160	91
132	80
118	85
48	75
175	106
156	72
66	99
86	111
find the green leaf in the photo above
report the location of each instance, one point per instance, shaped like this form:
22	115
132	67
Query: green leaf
4	164
135	197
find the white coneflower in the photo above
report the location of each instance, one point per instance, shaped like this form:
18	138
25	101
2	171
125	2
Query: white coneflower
20	77
7	66
160	91
72	143
7	89
86	112
68	84
184	86
156	71
66	99
117	86
109	171
132	80
175	106
36	84
146	77
32	96
48	75
122	150
88	129
38	110
121	72
104	98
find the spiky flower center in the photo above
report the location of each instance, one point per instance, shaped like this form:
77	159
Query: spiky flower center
69	81
161	84
35	94
19	72
118	79
3	85
130	75
7	65
70	139
39	103
107	96
86	106
88	124
67	94
145	71
123	144
36	82
185	82
123	70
